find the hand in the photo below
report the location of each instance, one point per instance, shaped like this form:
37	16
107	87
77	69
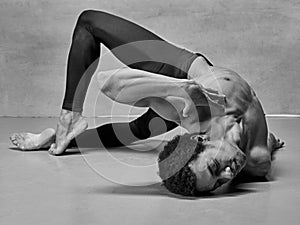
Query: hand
195	95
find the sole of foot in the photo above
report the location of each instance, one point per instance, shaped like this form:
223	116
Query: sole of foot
29	141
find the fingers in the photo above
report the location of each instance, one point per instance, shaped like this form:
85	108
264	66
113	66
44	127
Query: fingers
216	98
274	142
187	108
181	104
279	144
204	96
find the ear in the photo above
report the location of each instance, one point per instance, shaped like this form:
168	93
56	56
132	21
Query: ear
200	138
274	144
192	165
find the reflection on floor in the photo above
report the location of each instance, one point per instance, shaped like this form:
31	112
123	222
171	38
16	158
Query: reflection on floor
121	186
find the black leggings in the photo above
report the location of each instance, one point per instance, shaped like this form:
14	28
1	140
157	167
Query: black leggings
136	47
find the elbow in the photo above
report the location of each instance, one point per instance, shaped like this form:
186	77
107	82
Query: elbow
107	85
110	90
106	89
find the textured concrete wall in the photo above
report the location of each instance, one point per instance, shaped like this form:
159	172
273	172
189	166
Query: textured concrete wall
258	39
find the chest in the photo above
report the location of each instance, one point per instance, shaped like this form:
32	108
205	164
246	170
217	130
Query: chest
244	123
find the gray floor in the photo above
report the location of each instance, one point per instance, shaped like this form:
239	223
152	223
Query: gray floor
89	188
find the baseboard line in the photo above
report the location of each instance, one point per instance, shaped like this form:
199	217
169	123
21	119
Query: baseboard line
134	116
283	115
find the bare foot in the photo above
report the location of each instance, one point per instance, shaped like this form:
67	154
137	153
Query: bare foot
69	126
30	141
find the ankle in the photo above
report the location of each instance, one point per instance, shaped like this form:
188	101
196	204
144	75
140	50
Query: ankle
69	114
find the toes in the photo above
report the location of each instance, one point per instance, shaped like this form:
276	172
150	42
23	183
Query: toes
52	147
52	150
12	137
18	137
14	141
19	140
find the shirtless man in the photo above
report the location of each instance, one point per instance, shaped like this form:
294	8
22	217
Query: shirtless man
191	94
232	140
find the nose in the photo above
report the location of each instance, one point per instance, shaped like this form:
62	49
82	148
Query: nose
242	158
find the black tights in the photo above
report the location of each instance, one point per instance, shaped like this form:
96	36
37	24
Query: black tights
137	48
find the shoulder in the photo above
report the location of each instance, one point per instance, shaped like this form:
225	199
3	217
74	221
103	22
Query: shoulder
255	125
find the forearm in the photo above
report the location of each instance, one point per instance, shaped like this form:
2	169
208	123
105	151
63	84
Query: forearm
130	85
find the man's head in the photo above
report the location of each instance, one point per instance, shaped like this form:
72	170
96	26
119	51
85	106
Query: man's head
205	165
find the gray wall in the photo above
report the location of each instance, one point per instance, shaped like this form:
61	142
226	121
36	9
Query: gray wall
259	39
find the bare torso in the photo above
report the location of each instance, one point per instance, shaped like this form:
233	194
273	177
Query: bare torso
244	123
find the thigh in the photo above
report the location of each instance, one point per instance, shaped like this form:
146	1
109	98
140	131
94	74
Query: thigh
139	48
136	46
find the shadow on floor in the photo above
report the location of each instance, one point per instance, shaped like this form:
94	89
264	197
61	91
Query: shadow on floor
76	151
158	189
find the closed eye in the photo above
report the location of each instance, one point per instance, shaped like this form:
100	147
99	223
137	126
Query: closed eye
214	167
212	173
217	166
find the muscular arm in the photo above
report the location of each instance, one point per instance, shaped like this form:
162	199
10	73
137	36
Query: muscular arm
130	86
141	88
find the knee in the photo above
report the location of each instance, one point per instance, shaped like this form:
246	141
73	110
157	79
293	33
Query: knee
86	16
81	35
259	155
259	161
82	31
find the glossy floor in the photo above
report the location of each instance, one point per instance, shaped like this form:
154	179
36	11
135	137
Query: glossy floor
93	186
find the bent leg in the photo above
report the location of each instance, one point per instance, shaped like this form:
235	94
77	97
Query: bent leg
92	29
121	134
132	44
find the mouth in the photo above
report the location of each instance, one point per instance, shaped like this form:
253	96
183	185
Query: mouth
231	170
228	173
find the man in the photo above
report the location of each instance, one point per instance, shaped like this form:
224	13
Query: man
222	141
232	140
181	87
